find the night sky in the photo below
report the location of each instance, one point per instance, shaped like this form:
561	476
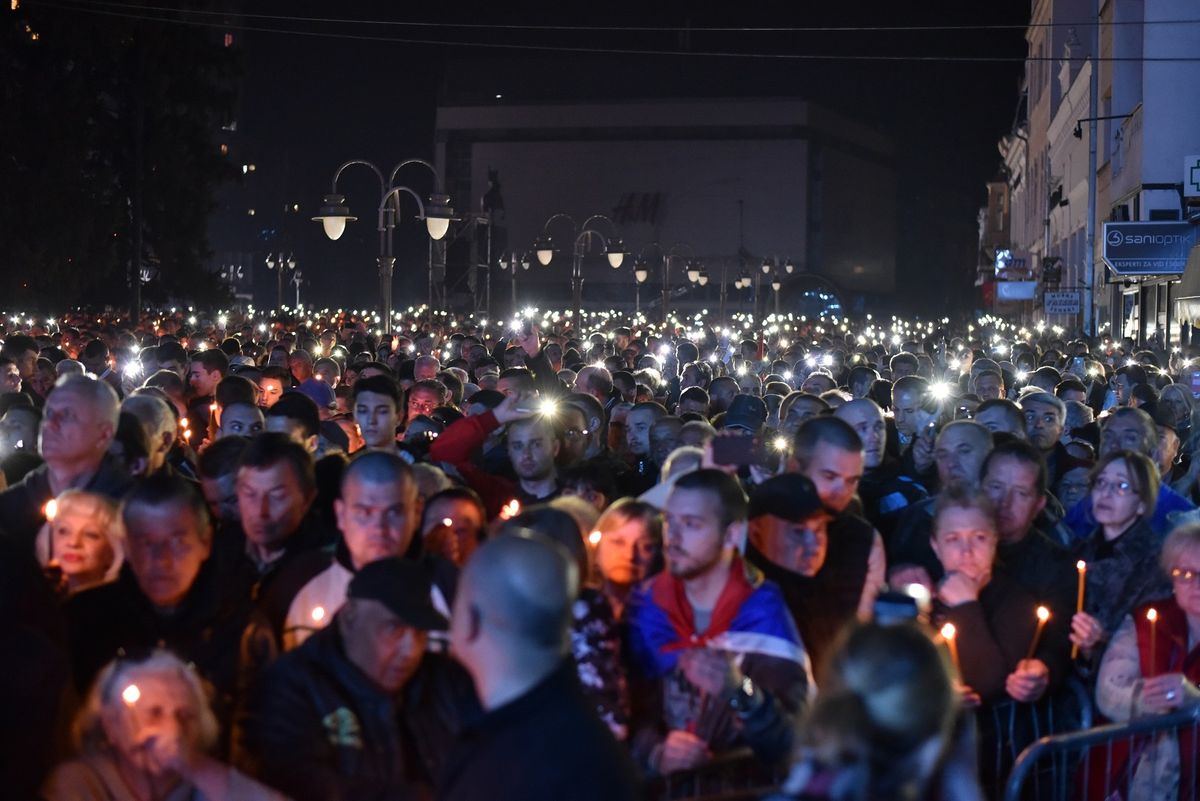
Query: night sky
310	102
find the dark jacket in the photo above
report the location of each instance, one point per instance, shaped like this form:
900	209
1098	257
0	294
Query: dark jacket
994	634
822	605
21	505
547	745
1045	570
317	728
885	493
203	629
1122	574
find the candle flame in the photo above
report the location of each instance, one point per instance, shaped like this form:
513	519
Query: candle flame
318	614
1152	614
51	510
1043	614
212	407
949	632
510	509
594	538
131	694
186	423
1081	566
447	522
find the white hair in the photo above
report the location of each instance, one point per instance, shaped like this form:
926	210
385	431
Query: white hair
98	393
108	520
109	687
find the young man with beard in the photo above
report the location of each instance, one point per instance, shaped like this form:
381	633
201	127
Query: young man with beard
532	448
717	662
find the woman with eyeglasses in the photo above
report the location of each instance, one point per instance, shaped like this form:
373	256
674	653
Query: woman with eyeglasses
1121	555
145	733
1146	673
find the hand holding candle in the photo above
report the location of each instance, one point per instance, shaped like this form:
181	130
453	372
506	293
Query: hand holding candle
948	634
1081	566
1043	615
1152	616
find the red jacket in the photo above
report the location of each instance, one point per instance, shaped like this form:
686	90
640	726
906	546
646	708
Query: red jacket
458	445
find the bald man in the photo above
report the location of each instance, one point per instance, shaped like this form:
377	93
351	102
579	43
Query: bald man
539	738
959	452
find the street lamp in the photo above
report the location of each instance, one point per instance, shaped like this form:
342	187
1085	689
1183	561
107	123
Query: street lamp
280	264
612	247
675	252
437	214
297	281
640	274
776	285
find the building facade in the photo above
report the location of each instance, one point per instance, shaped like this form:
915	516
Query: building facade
1147	107
731	183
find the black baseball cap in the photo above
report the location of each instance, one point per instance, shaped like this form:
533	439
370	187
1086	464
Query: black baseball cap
403	586
790	496
746	411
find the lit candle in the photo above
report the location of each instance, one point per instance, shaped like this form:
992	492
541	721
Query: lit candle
318	614
51	510
1080	566
447	522
131	694
594	538
1043	614
948	634
1152	616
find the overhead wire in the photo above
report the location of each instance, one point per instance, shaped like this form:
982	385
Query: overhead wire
591	50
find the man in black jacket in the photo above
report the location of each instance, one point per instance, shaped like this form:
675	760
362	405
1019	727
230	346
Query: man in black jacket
539	739
169	593
360	712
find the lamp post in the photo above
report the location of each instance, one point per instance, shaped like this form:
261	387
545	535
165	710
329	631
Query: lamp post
297	281
334	214
280	264
675	252
583	236
640	274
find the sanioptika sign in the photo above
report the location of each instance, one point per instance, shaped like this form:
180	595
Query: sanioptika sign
1148	248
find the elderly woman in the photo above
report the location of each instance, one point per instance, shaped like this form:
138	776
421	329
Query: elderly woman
629	549
1152	673
145	734
84	544
1122	553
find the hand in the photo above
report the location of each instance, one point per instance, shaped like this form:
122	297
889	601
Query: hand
1028	682
1086	631
514	407
1167	692
682	751
923	447
958	588
903	575
710	671
531	344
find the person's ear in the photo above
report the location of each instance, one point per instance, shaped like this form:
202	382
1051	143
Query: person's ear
758	531
735	535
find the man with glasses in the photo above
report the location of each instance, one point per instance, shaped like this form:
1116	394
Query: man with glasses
1130	429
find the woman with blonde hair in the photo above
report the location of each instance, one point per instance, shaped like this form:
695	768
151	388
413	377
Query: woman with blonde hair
144	734
888	724
82	544
629	549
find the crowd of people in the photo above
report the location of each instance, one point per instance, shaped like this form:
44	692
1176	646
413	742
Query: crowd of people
310	560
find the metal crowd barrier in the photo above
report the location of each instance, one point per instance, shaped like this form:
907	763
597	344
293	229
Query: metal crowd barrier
736	776
1005	729
1146	758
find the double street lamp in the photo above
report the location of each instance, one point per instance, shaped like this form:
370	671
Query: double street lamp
695	270
280	264
612	247
437	214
